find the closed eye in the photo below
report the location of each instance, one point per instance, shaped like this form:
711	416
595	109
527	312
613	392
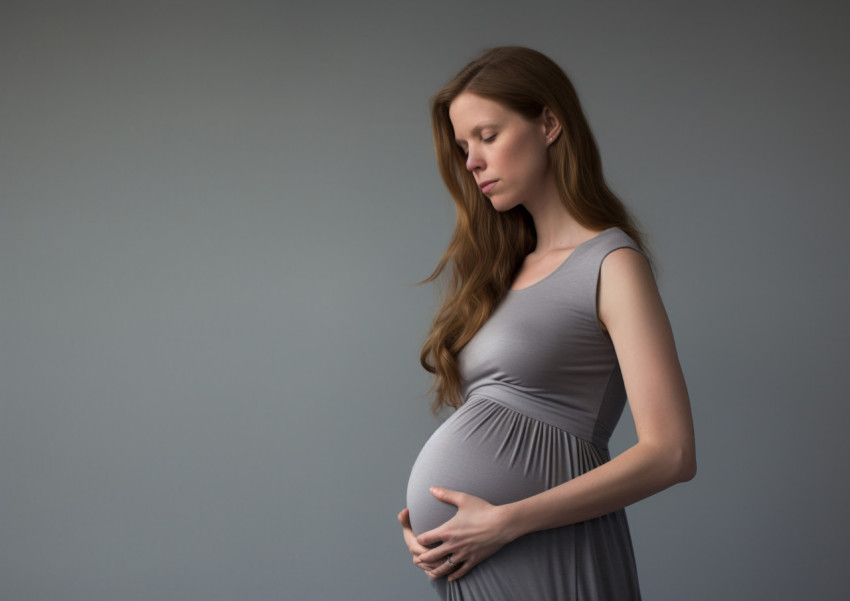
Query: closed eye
490	139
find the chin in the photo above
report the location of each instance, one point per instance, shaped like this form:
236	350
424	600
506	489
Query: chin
503	205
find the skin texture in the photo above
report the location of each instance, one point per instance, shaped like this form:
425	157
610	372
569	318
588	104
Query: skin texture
502	145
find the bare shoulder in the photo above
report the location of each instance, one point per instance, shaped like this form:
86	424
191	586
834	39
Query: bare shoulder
624	262
627	289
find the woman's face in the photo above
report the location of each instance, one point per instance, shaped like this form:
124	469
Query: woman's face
505	152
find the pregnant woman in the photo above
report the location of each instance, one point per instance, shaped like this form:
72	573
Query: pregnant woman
551	320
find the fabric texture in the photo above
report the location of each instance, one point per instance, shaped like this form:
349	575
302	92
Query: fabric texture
543	393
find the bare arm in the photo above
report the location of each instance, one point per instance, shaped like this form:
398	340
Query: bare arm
631	310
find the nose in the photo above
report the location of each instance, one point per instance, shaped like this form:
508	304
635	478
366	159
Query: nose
474	161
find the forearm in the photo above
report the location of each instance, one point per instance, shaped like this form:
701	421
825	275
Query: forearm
634	316
637	473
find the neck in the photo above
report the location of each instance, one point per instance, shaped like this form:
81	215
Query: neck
555	227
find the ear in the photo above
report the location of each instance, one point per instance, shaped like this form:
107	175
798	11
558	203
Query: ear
551	125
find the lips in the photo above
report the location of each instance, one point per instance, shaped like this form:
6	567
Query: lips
488	185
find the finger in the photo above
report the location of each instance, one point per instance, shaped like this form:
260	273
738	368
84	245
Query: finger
414	547
448	496
461	571
425	566
429	567
409	536
430	538
444	569
437	554
412	543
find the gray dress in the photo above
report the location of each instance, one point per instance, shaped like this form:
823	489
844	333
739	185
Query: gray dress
543	393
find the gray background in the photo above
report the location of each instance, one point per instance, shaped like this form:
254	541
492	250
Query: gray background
211	218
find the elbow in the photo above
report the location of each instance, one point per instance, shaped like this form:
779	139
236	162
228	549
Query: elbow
674	463
688	470
671	462
683	465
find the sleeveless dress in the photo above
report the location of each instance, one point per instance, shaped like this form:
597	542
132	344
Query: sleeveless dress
543	392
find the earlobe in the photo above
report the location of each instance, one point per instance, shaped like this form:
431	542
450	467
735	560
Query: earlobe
551	125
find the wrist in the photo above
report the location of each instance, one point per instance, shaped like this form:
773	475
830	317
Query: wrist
511	523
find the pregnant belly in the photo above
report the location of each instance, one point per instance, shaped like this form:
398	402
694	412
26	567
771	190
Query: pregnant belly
486	450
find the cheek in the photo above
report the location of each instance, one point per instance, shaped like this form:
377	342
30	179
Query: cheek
531	145
533	161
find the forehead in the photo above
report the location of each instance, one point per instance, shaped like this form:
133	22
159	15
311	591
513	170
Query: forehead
469	111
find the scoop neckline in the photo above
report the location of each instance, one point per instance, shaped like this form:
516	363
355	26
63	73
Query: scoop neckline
564	262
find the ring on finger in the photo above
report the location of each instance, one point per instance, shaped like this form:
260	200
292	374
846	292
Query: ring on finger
450	562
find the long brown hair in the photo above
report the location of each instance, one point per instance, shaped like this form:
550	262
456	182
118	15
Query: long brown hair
487	246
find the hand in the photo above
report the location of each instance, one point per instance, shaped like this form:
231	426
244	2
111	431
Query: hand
415	548
476	531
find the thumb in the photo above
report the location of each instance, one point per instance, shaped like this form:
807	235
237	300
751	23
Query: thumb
404	517
447	496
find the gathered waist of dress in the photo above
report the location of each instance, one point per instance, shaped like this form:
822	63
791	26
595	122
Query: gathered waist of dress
544	410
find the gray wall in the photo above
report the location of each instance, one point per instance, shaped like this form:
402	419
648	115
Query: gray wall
211	218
